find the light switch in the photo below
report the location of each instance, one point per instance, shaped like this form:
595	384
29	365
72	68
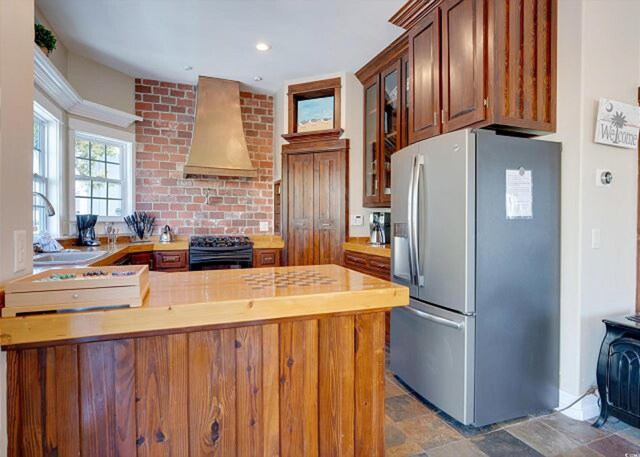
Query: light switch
595	239
19	250
264	226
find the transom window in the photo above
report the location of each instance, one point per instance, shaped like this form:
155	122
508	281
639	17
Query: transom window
39	173
99	174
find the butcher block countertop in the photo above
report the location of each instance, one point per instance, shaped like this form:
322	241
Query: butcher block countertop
362	245
200	299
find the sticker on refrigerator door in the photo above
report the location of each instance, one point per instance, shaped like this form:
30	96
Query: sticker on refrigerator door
519	194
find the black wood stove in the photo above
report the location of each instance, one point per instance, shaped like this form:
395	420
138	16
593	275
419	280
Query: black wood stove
220	252
618	372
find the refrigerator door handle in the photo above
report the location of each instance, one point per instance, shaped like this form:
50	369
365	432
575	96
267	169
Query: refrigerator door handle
419	163
410	223
435	319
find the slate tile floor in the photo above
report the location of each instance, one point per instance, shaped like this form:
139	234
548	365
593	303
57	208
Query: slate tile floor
415	428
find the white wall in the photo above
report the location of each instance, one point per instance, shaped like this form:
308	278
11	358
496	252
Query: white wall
92	80
16	117
101	84
351	115
598	56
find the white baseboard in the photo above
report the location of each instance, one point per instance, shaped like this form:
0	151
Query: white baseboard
586	408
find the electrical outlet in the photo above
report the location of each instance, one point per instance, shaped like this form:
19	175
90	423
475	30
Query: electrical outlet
356	219
19	250
595	239
264	226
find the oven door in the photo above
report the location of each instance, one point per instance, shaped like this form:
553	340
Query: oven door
220	258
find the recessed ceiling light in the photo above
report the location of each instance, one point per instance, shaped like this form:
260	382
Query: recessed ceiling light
262	47
257	78
188	68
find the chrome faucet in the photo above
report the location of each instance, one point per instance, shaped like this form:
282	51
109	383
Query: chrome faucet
47	203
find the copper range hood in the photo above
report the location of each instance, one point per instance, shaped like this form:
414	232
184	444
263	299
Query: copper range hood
218	147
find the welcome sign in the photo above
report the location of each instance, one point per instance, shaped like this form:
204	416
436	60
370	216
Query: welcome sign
617	124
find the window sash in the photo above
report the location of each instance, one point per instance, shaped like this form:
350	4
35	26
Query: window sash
122	201
40	177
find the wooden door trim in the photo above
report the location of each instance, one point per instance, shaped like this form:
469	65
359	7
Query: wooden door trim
431	19
478	113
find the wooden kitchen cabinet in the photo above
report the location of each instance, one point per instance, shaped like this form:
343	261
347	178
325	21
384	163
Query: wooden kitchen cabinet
385	81
315	200
481	63
142	258
266	258
373	265
171	261
463	51
424	82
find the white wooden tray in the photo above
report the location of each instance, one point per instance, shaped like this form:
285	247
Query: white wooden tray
40	293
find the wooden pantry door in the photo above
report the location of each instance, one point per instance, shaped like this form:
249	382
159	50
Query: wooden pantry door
329	210
300	196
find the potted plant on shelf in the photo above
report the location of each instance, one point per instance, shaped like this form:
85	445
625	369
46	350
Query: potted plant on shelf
45	39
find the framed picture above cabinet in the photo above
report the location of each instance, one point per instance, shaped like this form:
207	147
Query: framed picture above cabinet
314	106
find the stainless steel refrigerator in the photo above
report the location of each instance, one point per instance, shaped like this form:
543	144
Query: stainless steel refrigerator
476	237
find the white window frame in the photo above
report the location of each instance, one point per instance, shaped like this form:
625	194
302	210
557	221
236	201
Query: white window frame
48	113
41	175
81	129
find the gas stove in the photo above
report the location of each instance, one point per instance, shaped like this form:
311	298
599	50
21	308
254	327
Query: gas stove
219	241
220	252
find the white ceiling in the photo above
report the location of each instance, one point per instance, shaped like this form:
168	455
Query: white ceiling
158	38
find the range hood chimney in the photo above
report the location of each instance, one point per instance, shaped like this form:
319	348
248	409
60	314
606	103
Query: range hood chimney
218	147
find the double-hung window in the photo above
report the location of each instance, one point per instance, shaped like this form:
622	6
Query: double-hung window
100	175
39	172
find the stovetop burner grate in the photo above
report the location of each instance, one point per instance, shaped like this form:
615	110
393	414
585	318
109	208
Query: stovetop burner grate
219	241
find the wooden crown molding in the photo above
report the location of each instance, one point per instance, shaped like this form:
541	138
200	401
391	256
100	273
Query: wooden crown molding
319	145
411	12
54	84
312	86
303	137
392	52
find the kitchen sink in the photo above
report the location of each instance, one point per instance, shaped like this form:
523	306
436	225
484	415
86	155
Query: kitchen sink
67	258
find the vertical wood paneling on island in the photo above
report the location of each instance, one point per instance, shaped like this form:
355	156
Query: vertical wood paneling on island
249	389
369	384
161	391
336	391
212	393
107	394
299	388
271	390
61	384
43	419
14	404
31	394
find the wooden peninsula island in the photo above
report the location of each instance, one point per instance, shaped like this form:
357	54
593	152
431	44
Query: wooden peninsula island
255	362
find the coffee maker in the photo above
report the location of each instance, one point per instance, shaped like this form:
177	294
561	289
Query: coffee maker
380	228
86	229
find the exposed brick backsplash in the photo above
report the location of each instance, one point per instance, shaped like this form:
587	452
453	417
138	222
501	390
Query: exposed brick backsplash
163	141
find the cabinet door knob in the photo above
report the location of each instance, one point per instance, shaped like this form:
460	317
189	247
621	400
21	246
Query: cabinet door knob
75	296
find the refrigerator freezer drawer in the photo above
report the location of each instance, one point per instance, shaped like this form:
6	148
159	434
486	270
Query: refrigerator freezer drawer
432	352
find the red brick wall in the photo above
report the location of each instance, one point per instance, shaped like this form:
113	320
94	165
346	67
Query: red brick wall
163	140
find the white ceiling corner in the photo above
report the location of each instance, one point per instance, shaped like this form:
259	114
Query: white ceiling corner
158	38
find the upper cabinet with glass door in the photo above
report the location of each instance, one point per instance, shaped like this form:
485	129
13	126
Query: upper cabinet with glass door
384	122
